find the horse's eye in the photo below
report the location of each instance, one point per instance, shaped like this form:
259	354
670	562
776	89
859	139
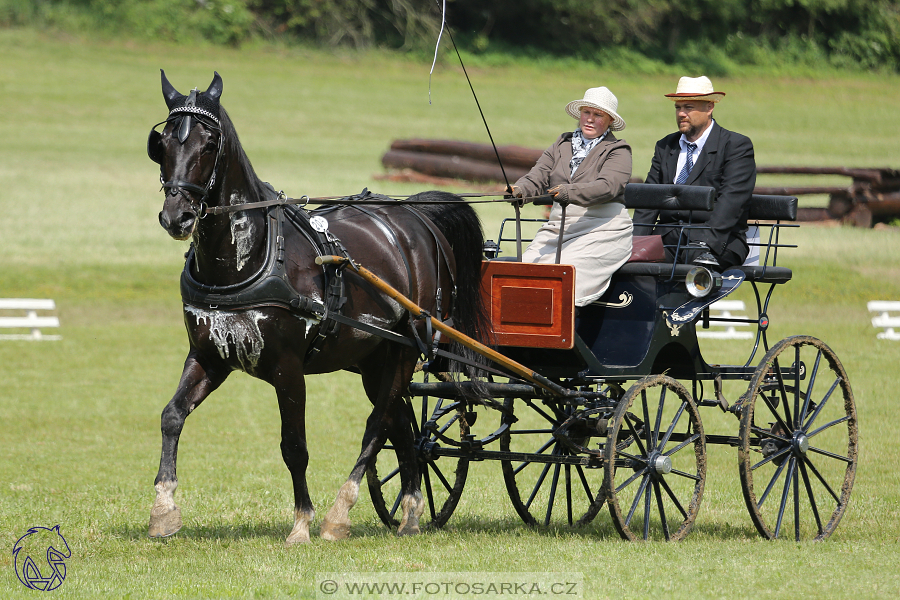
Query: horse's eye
210	146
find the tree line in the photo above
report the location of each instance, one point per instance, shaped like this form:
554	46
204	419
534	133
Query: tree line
856	34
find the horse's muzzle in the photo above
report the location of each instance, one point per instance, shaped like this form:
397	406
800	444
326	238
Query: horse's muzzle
181	227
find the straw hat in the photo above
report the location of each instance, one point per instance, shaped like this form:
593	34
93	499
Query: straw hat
696	88
601	99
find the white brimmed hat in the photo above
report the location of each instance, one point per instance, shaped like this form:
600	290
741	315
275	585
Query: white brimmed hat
601	99
696	88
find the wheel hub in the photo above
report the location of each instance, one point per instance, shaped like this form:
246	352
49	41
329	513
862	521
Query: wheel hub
800	443
662	465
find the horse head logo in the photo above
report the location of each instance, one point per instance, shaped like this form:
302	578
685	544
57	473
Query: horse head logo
40	556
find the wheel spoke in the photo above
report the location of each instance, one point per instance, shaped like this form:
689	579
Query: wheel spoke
821	405
396	504
540	451
634	433
686	442
830	454
809	388
795	423
774	410
439	474
647	494
637	498
584	483
390	476
778	471
809	493
671	429
782	390
631	479
640	459
537	486
771	457
821	479
552	420
662	510
796	503
659	413
647	430
683	474
843	419
569	493
784	495
553	483
429	493
766	433
452	420
674	499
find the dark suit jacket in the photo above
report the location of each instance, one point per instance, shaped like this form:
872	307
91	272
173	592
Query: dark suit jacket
726	163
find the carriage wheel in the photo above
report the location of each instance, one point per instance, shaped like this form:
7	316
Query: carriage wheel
798	441
442	478
656	471
556	490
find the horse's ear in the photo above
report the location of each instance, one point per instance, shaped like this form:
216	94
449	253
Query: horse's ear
215	88
169	92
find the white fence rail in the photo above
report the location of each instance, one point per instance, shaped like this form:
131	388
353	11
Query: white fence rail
884	318
30	320
726	309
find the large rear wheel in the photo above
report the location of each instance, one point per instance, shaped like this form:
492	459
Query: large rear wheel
798	441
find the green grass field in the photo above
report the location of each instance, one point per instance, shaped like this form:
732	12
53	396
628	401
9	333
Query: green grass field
80	417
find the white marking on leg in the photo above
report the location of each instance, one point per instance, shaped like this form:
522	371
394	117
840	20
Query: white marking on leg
413	506
337	522
240	330
165	497
241	232
300	533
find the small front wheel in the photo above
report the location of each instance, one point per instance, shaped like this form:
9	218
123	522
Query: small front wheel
655	461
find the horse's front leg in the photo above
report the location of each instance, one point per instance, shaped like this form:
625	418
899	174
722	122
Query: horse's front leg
385	377
197	382
290	386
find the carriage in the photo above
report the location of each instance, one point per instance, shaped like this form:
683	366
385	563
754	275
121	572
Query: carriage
582	408
624	427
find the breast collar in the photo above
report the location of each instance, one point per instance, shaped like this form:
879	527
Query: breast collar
268	287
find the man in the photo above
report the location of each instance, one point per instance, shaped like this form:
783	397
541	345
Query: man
703	153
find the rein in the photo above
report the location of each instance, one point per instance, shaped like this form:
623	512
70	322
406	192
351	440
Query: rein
349	201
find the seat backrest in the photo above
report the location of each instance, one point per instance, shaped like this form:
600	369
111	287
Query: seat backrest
773	208
669	196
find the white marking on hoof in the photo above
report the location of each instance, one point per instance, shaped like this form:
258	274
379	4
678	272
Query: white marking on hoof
413	506
337	521
300	533
165	516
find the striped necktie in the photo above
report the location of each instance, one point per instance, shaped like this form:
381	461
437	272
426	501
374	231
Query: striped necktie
688	164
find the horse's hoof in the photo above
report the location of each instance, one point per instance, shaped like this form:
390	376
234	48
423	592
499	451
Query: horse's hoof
296	538
409	530
165	524
335	531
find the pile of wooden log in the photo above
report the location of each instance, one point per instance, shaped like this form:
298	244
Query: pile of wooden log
873	196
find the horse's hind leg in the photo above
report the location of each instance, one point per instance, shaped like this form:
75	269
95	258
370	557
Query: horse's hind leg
291	389
412	505
385	377
196	384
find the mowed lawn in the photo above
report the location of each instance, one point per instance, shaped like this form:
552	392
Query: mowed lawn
79	418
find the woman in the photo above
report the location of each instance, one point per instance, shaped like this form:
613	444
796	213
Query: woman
587	169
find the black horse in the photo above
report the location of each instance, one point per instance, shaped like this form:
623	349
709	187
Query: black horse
255	301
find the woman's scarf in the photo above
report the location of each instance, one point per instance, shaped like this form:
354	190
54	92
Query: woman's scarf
581	147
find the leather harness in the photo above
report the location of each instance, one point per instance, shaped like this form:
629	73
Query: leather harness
270	286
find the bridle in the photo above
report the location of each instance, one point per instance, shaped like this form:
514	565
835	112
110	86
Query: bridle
186	114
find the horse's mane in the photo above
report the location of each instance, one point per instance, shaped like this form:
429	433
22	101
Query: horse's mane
233	149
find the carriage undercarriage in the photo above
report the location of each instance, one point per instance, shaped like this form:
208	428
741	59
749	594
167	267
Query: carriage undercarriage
627	431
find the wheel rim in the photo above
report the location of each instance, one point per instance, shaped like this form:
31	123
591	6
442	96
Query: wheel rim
798	441
442	478
656	470
550	493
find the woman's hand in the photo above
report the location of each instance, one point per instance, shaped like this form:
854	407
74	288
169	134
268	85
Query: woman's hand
554	191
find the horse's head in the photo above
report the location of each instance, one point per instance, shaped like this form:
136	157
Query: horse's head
188	152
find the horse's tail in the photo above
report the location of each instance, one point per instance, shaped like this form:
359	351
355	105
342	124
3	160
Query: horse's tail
461	226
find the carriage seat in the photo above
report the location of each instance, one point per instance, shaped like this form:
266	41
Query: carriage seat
688	198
